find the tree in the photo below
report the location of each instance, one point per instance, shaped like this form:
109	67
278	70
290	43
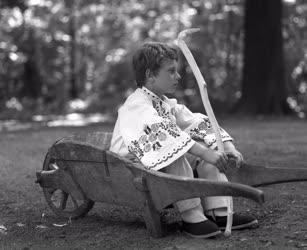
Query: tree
263	85
73	7
21	4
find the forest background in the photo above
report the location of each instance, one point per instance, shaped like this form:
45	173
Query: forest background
59	57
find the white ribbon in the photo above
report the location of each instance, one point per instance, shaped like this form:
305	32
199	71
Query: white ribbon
205	99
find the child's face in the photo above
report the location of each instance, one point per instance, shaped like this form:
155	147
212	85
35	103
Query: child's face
166	80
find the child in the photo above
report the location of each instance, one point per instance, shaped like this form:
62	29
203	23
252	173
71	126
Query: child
163	134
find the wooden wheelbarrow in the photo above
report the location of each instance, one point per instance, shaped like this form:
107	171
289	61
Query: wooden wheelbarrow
79	170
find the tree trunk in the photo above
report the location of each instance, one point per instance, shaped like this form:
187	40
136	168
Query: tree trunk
263	83
73	90
32	77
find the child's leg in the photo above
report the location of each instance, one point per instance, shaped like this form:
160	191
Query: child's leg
191	210
208	171
216	206
217	203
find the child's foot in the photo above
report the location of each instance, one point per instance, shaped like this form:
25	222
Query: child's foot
238	221
204	229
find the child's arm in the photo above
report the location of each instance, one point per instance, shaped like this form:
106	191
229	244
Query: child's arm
218	159
197	125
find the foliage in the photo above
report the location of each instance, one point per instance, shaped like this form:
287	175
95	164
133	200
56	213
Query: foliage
295	33
40	39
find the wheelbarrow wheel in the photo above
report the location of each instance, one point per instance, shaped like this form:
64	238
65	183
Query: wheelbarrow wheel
61	203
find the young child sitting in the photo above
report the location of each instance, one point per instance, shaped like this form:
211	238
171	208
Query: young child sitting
163	135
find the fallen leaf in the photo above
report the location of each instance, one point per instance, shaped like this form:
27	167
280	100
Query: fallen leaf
268	244
41	226
3	229
59	225
301	245
243	239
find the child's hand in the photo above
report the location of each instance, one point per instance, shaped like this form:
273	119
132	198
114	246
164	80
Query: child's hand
216	158
236	156
233	153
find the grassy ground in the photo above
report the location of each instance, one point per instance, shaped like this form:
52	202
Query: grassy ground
283	219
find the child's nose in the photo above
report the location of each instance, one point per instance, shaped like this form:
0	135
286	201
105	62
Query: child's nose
178	77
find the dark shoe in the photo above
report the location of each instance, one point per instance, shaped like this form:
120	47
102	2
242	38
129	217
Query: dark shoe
204	229
238	221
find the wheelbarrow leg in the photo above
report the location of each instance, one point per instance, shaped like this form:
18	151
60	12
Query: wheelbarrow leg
151	215
153	221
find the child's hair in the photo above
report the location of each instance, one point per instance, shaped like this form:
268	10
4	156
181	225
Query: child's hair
150	57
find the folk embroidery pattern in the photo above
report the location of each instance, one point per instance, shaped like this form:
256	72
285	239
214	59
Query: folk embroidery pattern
153	137
170	155
158	105
204	129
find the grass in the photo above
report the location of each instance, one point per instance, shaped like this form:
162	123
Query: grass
274	142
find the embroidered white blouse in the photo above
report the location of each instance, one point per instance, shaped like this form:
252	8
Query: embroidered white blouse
158	131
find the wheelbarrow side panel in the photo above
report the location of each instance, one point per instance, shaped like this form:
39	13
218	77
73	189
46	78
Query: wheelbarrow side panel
102	177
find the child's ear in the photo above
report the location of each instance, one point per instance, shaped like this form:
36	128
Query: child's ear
149	75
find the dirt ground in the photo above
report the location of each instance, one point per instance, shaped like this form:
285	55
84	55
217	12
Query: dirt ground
26	222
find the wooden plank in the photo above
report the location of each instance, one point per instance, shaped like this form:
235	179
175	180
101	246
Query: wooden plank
260	176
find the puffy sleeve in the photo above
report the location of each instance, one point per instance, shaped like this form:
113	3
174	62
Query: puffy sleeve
156	141
197	125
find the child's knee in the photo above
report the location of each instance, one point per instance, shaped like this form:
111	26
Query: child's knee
208	171
180	167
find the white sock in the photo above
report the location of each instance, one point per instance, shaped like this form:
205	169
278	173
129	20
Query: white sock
221	211
193	215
